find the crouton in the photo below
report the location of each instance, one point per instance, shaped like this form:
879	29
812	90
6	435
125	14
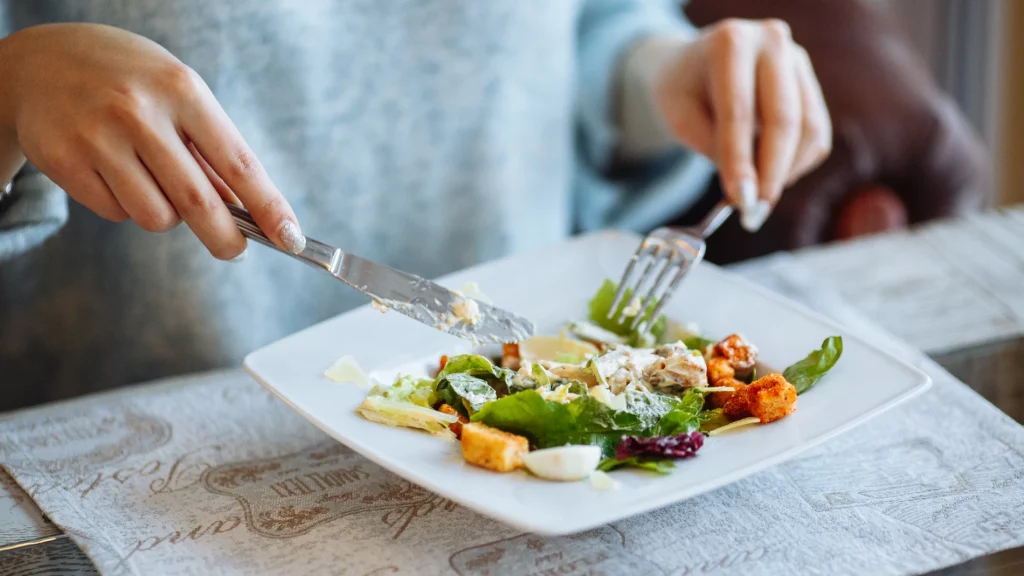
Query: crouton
738	404
719	371
719	399
491	448
510	356
455	427
741	354
771	398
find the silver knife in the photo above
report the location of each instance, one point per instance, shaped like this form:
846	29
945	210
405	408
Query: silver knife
417	298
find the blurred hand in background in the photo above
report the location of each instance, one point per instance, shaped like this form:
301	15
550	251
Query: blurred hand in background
745	95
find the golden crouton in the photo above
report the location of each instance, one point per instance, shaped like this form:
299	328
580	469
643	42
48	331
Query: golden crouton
770	398
455	427
738	404
718	399
491	448
741	355
719	371
510	356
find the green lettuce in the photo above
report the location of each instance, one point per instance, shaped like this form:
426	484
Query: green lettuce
665	466
540	375
806	372
547	424
403	413
711	419
465	393
601	303
698	343
472	364
461	382
681	420
663	415
418	391
586	420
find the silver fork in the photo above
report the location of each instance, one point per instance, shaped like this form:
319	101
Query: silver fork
669	250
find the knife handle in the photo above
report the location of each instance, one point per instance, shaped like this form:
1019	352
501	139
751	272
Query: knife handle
316	254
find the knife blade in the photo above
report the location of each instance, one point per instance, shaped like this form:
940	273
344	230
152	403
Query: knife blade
430	303
418	298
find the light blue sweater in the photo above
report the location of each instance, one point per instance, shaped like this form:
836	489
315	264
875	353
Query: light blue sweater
426	134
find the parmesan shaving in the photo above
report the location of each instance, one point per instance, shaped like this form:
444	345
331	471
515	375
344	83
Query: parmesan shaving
466	310
715	389
733	425
632	309
602	481
346	369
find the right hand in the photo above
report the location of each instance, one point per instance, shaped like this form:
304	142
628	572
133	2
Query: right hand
129	131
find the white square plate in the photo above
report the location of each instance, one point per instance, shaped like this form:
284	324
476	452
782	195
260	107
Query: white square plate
551	287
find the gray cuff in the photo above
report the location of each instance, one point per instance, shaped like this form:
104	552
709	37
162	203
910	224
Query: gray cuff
643	132
37	210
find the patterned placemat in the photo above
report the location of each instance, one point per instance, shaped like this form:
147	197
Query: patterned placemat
212	475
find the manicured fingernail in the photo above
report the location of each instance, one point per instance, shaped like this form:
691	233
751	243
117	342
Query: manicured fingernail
748	194
753	218
292	237
241	256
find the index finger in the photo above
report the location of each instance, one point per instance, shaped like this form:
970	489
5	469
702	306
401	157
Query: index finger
732	80
217	139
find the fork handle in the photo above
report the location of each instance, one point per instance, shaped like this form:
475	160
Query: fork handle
316	254
718	215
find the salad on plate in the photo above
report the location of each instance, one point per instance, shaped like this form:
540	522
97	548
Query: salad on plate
598	396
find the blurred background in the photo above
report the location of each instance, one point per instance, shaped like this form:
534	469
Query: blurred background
925	99
975	51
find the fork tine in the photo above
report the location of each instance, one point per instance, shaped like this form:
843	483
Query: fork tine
652	263
624	281
671	263
684	269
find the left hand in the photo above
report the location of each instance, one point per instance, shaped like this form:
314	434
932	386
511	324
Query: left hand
741	80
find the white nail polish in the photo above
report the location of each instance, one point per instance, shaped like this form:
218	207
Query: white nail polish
292	237
748	194
753	218
241	256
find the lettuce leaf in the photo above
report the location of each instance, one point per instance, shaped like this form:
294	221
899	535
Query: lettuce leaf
665	466
402	413
467	394
546	424
712	419
663	415
698	343
540	375
601	303
587	420
473	364
805	373
407	389
679	421
480	369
